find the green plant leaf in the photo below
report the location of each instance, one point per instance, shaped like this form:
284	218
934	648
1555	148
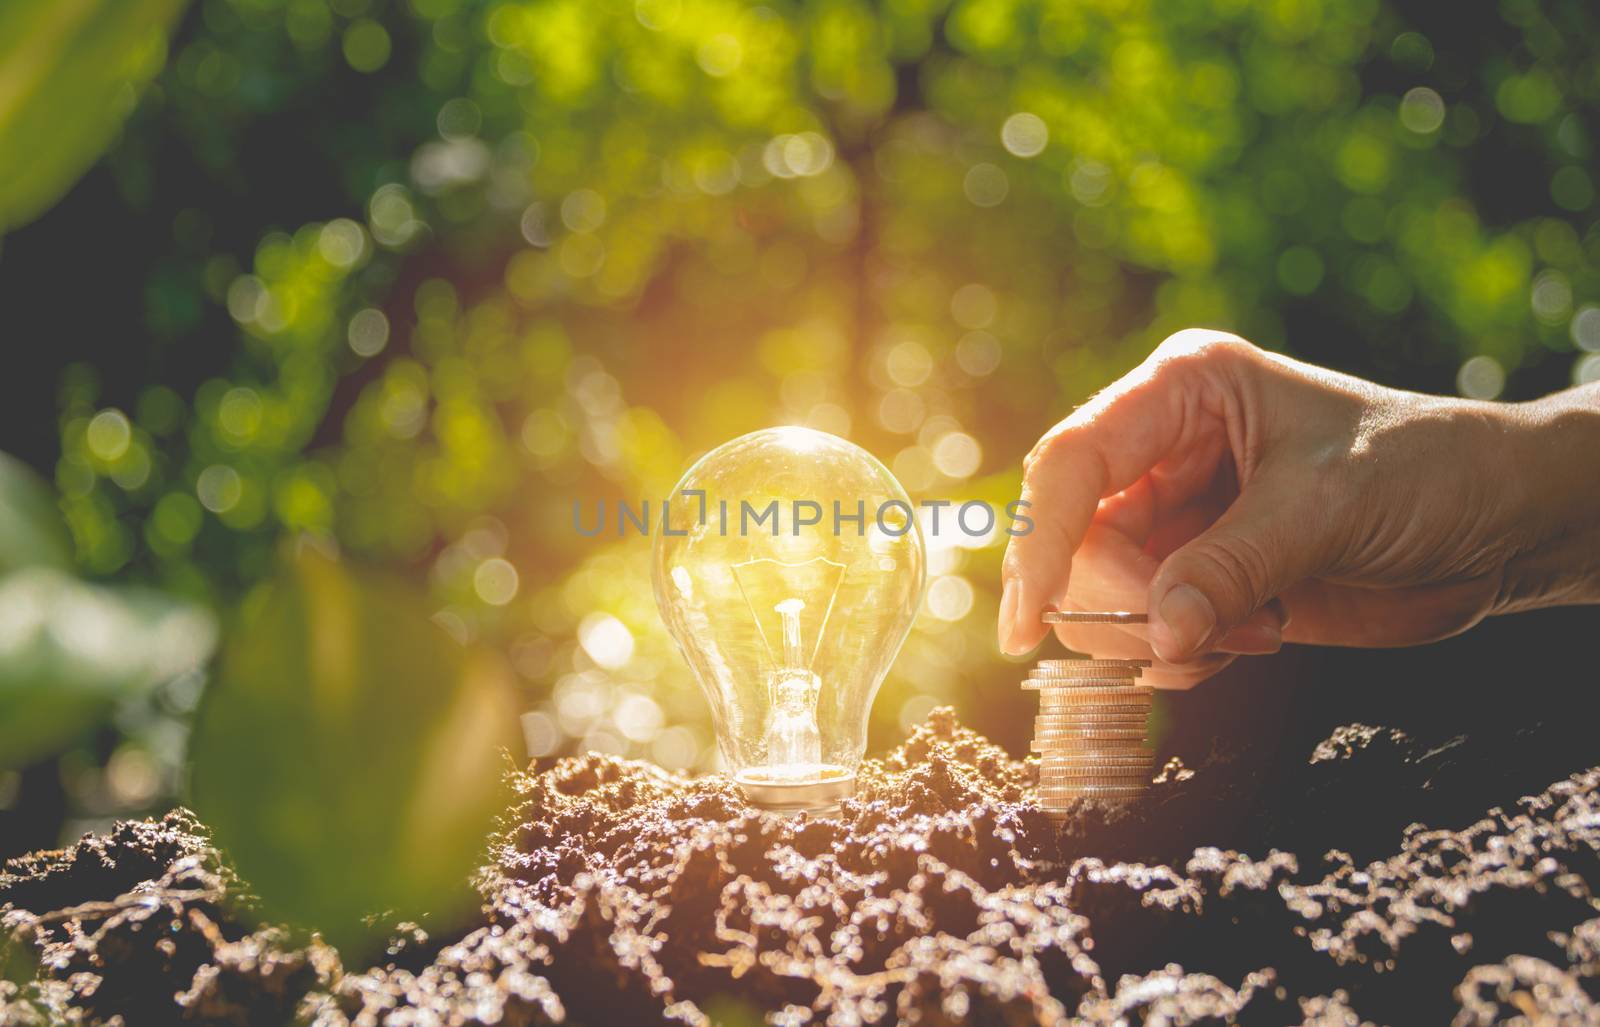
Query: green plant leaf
70	72
31	529
349	753
70	650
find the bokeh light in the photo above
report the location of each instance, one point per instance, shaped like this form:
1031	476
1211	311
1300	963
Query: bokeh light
565	248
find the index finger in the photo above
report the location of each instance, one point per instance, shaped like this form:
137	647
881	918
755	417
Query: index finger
1103	447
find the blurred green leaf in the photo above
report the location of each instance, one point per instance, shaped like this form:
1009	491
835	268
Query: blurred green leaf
348	755
31	529
70	650
18	964
70	72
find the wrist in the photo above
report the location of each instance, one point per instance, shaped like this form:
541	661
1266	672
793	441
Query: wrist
1551	464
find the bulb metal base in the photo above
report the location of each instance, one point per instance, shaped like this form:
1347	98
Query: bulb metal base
819	795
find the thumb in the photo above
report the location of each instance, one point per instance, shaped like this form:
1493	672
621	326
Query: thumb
1269	539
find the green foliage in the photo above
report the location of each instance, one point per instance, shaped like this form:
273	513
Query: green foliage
31	531
70	73
70	651
581	242
18	964
730	1011
349	753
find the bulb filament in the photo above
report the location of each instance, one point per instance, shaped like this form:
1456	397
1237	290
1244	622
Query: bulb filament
794	745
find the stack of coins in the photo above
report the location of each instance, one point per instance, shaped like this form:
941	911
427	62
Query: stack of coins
1090	732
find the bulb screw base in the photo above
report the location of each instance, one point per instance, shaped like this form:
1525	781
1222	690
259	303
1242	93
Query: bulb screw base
816	797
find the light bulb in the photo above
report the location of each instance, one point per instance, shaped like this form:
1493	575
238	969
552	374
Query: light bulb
788	568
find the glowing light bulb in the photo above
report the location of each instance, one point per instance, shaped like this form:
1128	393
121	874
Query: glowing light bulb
789	568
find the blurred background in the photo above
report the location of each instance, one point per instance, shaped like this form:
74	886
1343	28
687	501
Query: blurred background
411	277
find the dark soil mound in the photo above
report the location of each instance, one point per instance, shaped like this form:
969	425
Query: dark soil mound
617	894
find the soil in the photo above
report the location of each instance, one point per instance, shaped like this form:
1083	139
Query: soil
615	893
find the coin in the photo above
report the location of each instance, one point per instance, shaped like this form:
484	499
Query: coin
1093	715
1033	684
1081	699
1080	744
1071	774
1078	694
1093	661
1062	742
1130	794
1124	779
1097	789
1087	775
1096	699
1134	776
1106	731
1067	715
1097	716
1089	718
1067	682
1069	741
1091	698
1095	770
1093	617
1061	687
1078	713
1066	674
1095	760
1121	791
1087	667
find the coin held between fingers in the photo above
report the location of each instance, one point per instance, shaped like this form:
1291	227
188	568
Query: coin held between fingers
1093	617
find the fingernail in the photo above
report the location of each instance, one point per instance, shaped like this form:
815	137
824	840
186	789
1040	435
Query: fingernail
1185	620
1252	640
1008	616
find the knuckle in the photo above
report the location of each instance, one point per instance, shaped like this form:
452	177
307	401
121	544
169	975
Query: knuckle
1055	449
1049	446
1040	453
1239	565
1203	347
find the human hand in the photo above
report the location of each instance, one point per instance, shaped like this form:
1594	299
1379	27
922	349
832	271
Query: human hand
1244	499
